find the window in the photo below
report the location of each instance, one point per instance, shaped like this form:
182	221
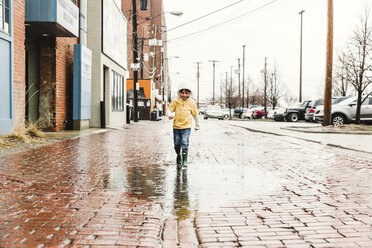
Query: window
117	93
4	16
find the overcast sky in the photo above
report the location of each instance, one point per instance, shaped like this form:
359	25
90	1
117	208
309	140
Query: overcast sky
272	31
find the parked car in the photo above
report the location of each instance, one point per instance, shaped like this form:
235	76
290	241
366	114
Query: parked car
335	100
227	113
345	111
214	112
248	112
311	110
259	113
297	112
272	112
278	116
202	110
238	112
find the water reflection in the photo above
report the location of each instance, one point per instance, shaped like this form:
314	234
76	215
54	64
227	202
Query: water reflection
181	204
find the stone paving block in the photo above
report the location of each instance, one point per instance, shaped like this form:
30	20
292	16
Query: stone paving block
63	192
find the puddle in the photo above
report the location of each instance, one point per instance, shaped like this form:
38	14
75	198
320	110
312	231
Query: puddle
199	187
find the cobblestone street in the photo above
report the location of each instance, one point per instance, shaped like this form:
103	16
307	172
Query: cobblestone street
241	189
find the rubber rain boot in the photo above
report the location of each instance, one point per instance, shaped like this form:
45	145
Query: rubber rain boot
179	159
184	159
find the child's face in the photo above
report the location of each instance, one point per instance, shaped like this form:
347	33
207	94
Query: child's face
184	94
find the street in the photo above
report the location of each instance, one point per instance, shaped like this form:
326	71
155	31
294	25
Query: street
241	189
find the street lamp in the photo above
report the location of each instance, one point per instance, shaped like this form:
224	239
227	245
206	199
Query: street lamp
173	12
300	95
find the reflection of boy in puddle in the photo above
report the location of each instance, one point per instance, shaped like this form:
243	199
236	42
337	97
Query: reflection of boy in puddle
181	203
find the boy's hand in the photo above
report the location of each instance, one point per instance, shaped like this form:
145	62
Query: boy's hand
170	117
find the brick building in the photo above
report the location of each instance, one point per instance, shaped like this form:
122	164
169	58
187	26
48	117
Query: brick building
152	48
41	77
49	62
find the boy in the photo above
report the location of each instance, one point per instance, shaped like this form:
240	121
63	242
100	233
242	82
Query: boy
184	108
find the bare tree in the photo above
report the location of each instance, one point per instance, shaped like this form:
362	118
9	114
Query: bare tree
275	92
288	97
231	97
249	89
358	59
256	97
341	81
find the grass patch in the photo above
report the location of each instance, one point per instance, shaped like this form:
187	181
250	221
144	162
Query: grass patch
31	133
353	127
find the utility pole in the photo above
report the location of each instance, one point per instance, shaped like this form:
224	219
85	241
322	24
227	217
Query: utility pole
300	94
230	91
239	98
328	84
265	87
226	92
221	89
243	76
214	66
197	77
135	58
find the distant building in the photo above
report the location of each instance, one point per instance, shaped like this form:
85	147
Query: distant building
152	48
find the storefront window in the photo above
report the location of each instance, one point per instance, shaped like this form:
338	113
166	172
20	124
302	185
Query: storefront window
117	93
4	16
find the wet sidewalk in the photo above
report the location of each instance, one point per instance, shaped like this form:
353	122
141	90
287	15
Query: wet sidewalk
121	188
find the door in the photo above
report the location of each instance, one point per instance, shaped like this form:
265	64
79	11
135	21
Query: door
366	109
32	80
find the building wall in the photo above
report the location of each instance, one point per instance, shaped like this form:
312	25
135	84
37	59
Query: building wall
94	27
19	63
6	79
64	82
102	66
113	118
47	74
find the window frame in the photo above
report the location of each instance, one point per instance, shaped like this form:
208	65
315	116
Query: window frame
5	16
117	89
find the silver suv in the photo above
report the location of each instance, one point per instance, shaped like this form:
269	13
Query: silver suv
345	111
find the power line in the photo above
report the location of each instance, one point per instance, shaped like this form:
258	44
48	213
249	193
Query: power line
201	17
213	12
222	23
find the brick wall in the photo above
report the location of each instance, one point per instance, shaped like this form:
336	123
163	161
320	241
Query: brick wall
64	82
56	82
19	63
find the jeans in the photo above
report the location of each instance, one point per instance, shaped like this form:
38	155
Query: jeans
181	139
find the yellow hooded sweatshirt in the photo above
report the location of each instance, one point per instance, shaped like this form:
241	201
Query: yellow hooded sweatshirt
184	111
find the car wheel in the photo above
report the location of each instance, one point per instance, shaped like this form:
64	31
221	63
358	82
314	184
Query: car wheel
338	120
293	117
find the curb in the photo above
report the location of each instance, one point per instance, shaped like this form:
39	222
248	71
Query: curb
301	129
313	141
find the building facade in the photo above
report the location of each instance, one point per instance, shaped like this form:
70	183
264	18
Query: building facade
152	48
49	75
8	56
107	38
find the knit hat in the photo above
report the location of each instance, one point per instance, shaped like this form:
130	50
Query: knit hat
184	86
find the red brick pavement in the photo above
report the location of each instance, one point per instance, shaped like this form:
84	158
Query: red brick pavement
325	200
70	194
